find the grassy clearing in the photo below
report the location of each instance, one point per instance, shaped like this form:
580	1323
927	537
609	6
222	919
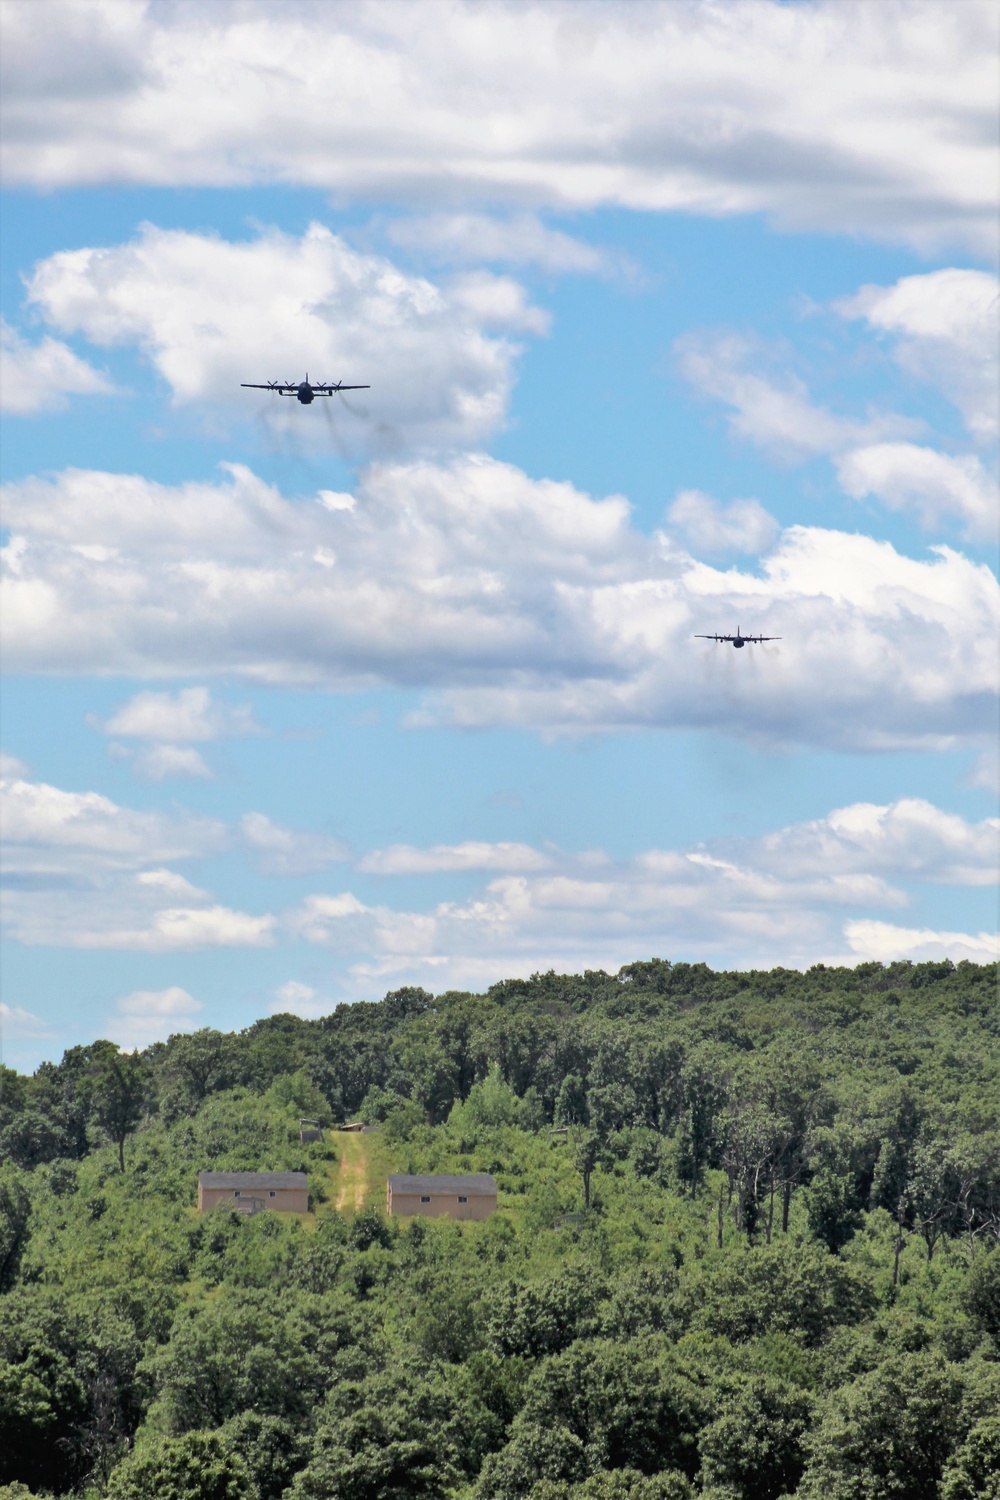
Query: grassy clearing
356	1179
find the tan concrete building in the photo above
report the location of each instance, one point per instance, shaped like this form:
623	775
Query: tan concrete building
253	1192
441	1196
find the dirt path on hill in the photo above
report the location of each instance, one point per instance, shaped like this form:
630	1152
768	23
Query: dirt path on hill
352	1176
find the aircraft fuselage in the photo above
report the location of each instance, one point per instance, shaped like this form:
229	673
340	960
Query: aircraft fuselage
305	393
739	643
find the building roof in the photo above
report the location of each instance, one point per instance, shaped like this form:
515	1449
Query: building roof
250	1180
478	1184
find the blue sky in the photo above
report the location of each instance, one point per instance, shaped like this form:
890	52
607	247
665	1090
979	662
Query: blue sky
303	704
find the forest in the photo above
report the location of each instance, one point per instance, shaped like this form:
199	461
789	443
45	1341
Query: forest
747	1246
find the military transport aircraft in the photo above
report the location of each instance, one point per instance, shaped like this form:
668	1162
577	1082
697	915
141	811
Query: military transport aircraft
302	390
739	640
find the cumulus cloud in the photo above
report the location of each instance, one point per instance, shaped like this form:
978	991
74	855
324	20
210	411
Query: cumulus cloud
910	838
39	377
769	404
313	918
66	835
795	895
299	999
11	766
162	717
875	119
881	942
83	872
146	1016
439	359
47	830
986	771
187	715
172	884
161	762
515	240
507	600
708	527
790	897
284	851
183	928
933	485
16	1022
127	917
947	330
404	859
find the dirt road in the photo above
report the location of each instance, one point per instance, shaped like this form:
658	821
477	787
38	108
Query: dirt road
351	1173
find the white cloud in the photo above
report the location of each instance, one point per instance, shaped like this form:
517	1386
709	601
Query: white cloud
146	1016
312	920
790	897
932	484
404	859
299	999
161	762
793	896
294	991
910	838
187	715
507	600
39	377
10	766
497	302
883	943
771	405
741	526
875	119
181	928
83	872
168	1002
517	240
948	328
172	884
49	831
16	1022
285	851
947	333
437	377
986	771
128	918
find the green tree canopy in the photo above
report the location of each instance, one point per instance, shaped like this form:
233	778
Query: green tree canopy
195	1466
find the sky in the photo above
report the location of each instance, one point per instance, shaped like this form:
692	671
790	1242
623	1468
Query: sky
676	318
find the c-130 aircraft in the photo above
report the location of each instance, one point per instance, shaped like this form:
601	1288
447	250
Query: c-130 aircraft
303	390
739	640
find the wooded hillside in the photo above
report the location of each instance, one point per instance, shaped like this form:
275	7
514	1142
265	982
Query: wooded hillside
784	1278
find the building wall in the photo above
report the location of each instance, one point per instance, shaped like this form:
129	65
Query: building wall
285	1200
442	1205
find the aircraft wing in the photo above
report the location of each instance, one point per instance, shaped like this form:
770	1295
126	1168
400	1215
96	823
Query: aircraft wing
714	637
329	390
755	639
272	385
